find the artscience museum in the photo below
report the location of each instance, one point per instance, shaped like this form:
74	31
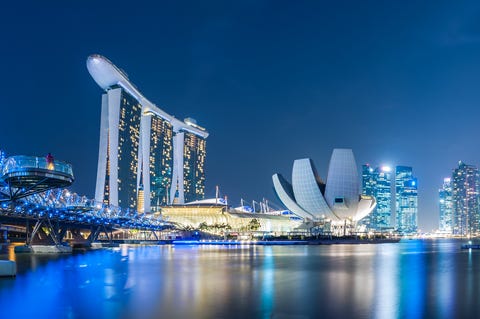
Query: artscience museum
337	199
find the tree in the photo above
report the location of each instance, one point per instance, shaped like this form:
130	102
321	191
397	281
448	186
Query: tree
254	225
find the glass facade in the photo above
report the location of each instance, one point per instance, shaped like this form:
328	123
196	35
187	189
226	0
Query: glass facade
377	183
194	153
406	198
128	143
160	161
446	206
465	200
368	188
368	182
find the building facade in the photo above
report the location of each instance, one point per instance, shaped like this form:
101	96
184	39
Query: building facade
338	200
368	188
445	195
219	219
145	154
377	183
465	193
406	200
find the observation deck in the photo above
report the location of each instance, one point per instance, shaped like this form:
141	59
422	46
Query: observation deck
28	175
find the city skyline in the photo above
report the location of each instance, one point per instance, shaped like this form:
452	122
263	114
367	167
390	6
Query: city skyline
272	82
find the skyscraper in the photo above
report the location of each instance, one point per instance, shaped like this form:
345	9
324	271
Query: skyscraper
465	195
368	189
190	172
368	182
142	148
377	183
406	199
383	213
158	138
446	206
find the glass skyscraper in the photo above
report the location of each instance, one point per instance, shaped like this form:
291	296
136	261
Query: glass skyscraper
465	193
368	182
377	183
145	154
406	199
446	206
368	189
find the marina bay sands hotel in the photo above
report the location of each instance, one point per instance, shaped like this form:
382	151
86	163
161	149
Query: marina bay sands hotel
147	157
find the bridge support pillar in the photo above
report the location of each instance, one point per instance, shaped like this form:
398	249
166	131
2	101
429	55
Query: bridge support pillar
45	232
96	231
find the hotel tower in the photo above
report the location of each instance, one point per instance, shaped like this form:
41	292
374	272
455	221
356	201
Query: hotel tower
147	158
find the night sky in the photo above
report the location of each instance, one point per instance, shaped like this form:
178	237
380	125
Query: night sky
272	81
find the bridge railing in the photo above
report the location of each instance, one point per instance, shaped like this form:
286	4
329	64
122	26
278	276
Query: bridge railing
21	163
64	206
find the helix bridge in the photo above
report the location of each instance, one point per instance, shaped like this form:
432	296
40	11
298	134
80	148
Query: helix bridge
33	194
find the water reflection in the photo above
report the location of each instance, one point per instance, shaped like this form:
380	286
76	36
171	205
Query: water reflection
412	279
412	275
444	283
267	283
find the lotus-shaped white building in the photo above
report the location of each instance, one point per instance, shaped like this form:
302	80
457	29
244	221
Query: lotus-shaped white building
337	200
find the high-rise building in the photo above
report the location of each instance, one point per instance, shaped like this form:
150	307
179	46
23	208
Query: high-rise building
368	188
377	183
368	182
382	214
145	154
446	206
406	199
190	171
465	193
159	136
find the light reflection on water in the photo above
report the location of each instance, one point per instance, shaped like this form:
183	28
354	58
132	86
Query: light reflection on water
412	279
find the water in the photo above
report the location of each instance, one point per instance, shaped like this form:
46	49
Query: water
411	279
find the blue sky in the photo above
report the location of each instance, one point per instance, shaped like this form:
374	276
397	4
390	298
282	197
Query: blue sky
272	81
